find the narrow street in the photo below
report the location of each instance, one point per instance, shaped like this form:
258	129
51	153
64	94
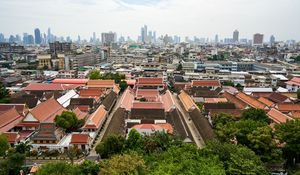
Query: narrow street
195	133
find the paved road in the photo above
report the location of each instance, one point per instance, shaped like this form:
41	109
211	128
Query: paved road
93	154
194	131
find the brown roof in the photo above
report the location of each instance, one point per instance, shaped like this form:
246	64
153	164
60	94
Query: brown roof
187	101
277	116
46	131
100	83
96	119
206	83
93	93
277	97
233	99
12	137
9	120
46	111
79	139
265	101
288	107
250	101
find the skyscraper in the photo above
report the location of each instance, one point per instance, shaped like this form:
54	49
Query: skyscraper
108	38
258	39
216	39
49	37
272	40
2	37
37	36
235	36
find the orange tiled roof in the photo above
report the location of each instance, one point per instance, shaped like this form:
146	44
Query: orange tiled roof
265	101
168	101
147	105
80	114
277	116
250	101
90	92
96	119
46	111
145	80
127	99
187	101
206	83
12	137
166	126
70	81
100	83
215	100
79	139
49	87
233	99
288	107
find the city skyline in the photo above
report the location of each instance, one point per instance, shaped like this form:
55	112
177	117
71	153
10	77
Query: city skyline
189	18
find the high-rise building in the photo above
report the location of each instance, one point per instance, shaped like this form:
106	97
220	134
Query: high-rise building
272	40
37	36
216	39
235	36
258	39
2	37
154	36
49	37
30	39
108	38
94	37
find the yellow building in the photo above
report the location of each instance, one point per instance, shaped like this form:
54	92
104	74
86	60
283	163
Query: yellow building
44	60
61	61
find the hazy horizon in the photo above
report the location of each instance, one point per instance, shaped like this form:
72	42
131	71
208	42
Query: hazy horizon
201	18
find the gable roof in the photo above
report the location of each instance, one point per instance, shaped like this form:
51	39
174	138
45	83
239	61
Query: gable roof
205	83
277	116
46	131
70	81
147	105
168	101
294	81
250	101
100	83
80	114
288	107
46	111
233	99
155	127
187	101
21	108
265	101
49	87
9	119
96	119
127	99
277	97
65	99
149	81
12	137
79	139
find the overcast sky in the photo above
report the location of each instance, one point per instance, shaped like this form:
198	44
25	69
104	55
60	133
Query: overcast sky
201	18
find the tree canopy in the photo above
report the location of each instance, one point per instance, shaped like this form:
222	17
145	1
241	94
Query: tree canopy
255	114
58	168
4	94
68	121
4	145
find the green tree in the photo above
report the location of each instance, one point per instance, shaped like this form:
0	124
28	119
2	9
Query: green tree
289	134
4	145
123	85
23	147
113	144
237	159
68	121
89	168
298	93
255	114
13	164
72	153
179	67
95	75
228	83
131	163
262	142
4	94
58	168
222	119
182	160
134	140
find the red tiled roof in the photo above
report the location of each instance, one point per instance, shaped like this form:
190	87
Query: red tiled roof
90	92
215	100
149	81
80	114
277	97
250	101
168	101
46	111
96	119
287	107
205	83
127	99
70	81
79	139
148	94
9	120
147	105
12	137
130	82
21	108
233	99
277	116
294	81
49	87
